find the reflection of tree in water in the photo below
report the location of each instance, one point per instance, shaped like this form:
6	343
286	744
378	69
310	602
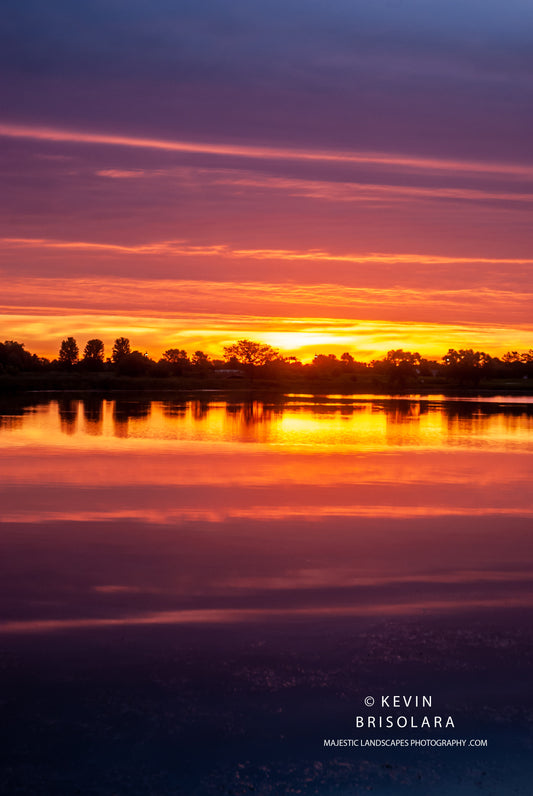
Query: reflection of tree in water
124	411
468	423
11	417
469	419
322	406
179	409
326	409
464	417
518	421
251	421
345	409
68	415
475	419
403	421
459	410
200	409
93	415
174	408
13	410
404	412
11	422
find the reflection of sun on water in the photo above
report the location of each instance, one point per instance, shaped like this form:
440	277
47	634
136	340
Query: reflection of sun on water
336	428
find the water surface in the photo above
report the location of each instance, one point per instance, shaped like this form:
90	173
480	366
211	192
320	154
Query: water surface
336	546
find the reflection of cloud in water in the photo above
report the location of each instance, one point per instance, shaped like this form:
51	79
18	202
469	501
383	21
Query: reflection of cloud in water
173	516
216	616
312	578
344	508
112	589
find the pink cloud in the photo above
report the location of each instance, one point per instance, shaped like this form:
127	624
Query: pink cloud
265	152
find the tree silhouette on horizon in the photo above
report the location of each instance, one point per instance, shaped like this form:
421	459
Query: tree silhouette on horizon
121	349
69	352
248	352
94	350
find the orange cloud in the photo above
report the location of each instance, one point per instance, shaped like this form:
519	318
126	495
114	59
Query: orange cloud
163	295
172	247
182	248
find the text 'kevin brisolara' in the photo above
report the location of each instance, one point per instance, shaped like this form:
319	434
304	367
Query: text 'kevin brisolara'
360	742
442	722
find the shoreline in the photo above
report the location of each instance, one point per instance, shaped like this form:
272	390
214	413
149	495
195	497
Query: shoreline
283	392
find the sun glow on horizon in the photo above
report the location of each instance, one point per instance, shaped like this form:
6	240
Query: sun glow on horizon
300	337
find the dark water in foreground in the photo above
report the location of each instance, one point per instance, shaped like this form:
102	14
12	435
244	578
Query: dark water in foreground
195	595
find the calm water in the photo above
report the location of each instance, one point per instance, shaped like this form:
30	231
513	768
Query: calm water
235	563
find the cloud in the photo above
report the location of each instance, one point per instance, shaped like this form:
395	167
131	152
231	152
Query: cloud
183	248
328	190
267	152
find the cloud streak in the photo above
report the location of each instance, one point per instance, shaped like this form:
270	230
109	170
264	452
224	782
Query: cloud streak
183	248
266	152
326	190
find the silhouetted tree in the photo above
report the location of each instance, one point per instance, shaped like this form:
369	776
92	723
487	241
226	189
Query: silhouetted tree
121	349
398	368
94	351
511	356
248	352
527	363
465	366
14	358
176	356
399	357
69	352
135	364
351	369
176	361
402	367
515	365
199	359
93	356
325	366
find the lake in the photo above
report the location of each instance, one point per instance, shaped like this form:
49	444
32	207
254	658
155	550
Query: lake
197	593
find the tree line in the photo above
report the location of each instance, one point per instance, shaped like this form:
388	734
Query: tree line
248	358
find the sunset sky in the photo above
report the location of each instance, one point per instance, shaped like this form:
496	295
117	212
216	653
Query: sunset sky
322	176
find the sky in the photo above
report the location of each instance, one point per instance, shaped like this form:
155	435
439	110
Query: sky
321	176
